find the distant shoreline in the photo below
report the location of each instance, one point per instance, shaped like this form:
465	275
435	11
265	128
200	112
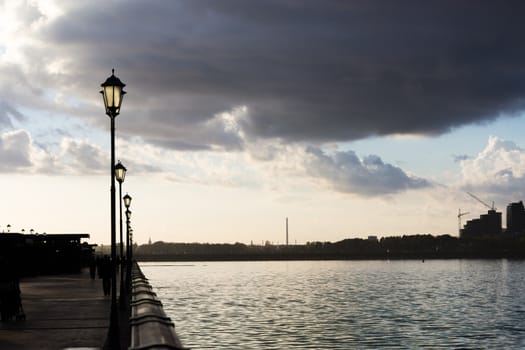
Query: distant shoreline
313	257
415	247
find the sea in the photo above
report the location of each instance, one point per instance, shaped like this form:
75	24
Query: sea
401	304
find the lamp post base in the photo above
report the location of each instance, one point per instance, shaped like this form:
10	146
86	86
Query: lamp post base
113	337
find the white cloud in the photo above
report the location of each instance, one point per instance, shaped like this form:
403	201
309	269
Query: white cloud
498	170
19	153
270	164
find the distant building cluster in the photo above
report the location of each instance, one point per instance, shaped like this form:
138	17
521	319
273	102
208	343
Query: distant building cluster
486	225
490	224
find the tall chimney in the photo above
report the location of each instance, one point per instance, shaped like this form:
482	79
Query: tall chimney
286	231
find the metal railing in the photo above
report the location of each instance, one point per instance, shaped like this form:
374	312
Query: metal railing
150	327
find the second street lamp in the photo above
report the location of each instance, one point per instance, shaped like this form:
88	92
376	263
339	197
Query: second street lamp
113	92
120	174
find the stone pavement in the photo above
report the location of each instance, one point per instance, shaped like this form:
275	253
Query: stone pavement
62	312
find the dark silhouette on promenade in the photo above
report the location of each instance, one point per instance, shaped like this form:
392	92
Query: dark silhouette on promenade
63	311
38	254
10	299
92	267
24	255
104	273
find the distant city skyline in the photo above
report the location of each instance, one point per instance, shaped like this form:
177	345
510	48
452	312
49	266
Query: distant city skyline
348	118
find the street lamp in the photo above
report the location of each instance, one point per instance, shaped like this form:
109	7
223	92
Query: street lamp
127	203
127	200
113	92
120	174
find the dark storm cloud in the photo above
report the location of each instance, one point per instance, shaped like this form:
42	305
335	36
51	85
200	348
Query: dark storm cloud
307	70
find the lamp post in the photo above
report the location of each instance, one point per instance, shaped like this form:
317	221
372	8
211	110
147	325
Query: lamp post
128	252
112	92
130	243
120	174
127	203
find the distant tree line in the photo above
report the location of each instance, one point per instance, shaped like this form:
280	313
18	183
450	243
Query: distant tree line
422	246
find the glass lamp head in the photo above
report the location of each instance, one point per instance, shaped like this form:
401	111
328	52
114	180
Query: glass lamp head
112	92
127	200
120	172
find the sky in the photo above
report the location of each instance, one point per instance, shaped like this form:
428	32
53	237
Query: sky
349	118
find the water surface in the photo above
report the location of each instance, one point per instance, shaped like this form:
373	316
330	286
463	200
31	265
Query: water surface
436	304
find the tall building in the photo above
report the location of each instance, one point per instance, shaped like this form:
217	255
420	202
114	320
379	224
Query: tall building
487	225
515	217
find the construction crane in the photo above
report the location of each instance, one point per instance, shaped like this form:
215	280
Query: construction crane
460	214
491	207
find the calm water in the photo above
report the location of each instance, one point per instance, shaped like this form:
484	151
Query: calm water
452	304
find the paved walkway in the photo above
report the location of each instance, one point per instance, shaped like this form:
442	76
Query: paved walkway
62	311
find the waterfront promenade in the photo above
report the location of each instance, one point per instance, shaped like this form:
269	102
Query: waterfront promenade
62	311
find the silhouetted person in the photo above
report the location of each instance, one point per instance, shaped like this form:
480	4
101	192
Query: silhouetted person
10	301
92	267
105	273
